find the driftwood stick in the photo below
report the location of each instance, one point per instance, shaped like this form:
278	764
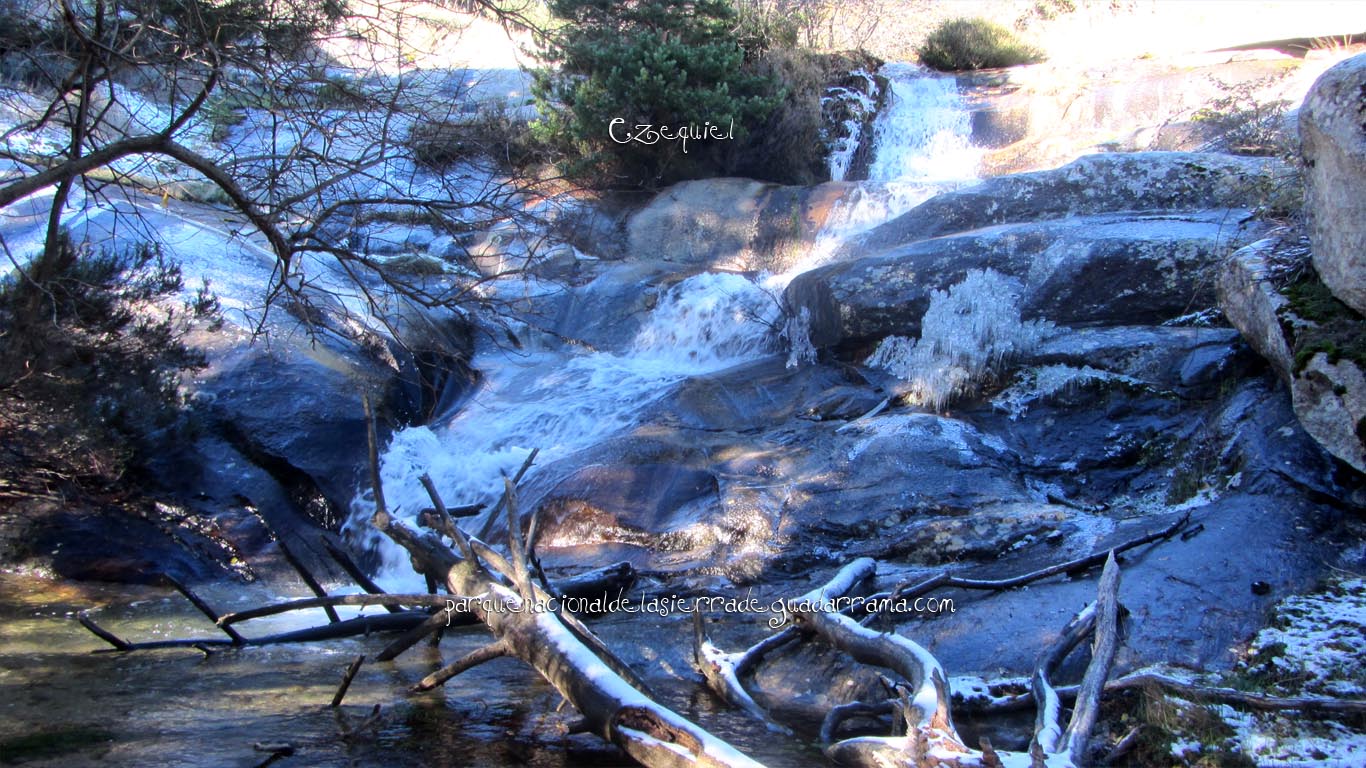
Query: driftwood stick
447	523
109	637
410	638
361	625
346	681
718	667
1077	737
156	645
1048	727
493	558
942	580
203	607
521	572
474	658
372	446
354	571
320	602
517	478
1124	746
756	653
841	712
1182	688
1258	701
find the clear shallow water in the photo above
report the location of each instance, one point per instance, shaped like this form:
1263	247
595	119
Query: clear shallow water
63	704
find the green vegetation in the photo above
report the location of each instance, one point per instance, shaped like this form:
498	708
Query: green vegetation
492	133
651	65
969	44
1244	123
1315	321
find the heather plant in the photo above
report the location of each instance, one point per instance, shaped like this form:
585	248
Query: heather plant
968	44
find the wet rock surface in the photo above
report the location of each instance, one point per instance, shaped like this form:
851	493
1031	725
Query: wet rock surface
1083	271
1136	407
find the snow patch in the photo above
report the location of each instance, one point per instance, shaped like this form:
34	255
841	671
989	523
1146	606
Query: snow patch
1036	385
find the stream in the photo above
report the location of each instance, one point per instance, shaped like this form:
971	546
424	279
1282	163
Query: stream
63	705
187	708
561	399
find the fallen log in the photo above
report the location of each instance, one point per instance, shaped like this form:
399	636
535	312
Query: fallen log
524	625
931	738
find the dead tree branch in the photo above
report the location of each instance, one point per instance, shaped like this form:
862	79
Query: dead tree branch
346	681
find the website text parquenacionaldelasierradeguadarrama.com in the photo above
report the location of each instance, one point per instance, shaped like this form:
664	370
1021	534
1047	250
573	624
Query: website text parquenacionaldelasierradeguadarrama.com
659	605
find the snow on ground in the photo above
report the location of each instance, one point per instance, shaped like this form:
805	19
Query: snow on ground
1313	647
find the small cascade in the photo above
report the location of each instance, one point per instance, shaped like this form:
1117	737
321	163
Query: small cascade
923	146
562	400
924	132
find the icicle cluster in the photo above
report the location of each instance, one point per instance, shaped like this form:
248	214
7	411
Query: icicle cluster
797	332
967	332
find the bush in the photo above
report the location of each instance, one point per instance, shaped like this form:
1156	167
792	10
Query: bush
90	360
494	132
1244	122
967	44
788	147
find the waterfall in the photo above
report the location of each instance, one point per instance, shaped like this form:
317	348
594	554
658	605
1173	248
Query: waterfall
562	399
923	146
924	133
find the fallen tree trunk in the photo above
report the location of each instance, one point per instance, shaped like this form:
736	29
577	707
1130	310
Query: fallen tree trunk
525	626
527	623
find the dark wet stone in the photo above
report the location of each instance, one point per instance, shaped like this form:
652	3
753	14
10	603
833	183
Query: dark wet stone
1092	271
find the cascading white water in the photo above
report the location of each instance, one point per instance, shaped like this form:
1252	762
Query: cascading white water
924	133
922	146
562	400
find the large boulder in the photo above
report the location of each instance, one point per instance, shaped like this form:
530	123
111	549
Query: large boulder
732	224
1333	131
1253	305
1095	184
1083	271
1107	240
1328	389
291	403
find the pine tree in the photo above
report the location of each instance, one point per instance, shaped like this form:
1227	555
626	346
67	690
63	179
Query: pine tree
662	63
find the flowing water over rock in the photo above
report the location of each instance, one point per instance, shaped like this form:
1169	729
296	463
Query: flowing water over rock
563	400
722	420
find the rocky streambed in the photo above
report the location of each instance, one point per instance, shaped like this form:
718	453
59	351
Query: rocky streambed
739	388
